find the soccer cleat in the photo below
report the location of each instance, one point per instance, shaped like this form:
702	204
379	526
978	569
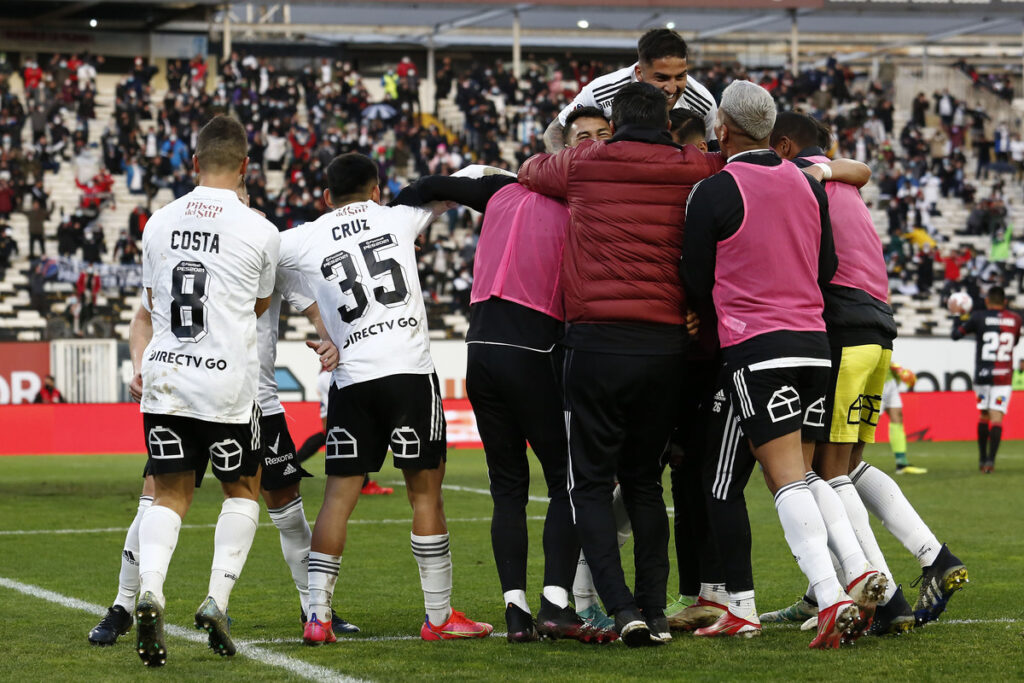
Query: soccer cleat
116	623
596	617
810	625
338	625
657	623
699	614
938	582
799	612
315	632
633	630
520	625
677	605
458	626
562	622
209	618
372	488
910	469
834	624
730	625
149	620
988	467
894	617
868	589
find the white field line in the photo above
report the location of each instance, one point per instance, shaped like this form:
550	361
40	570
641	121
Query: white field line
344	638
298	667
977	621
112	529
932	624
485	492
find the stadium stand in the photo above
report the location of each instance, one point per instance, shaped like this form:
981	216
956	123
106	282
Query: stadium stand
940	166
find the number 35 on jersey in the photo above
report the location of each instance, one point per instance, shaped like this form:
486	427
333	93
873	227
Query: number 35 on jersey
360	260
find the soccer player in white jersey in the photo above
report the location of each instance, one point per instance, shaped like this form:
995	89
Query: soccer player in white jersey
361	262
661	61
281	471
209	265
281	468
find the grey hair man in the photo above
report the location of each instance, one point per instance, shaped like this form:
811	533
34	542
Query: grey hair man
762	214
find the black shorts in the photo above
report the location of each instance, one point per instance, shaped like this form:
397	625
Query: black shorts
184	444
729	461
780	396
280	467
402	412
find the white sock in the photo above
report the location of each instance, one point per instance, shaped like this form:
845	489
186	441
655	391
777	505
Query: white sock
858	516
841	539
838	568
518	598
158	535
807	537
323	574
883	497
434	558
236	527
714	592
557	596
741	605
128	580
584	593
623	527
291	523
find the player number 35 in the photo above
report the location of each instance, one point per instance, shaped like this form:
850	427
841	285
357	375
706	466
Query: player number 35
342	262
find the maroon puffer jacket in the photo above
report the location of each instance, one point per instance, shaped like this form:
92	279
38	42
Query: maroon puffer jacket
627	202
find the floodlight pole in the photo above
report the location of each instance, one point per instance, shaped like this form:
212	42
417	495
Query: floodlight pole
794	42
431	65
517	47
226	36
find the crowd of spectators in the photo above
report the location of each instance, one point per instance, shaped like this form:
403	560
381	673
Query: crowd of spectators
999	84
299	119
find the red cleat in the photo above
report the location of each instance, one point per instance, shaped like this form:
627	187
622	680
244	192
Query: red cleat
730	625
317	633
834	623
458	626
372	488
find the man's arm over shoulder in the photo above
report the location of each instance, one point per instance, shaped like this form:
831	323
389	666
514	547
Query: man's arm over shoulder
828	262
554	134
548	174
413	218
700	242
471	192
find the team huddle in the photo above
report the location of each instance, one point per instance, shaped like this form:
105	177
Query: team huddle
604	334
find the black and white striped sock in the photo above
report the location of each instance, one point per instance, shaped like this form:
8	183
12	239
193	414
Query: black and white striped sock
323	574
434	558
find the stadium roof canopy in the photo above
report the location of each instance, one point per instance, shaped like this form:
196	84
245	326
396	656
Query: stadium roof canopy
753	29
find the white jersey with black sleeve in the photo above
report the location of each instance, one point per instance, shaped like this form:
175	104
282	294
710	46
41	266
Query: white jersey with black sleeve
206	258
601	91
360	260
290	286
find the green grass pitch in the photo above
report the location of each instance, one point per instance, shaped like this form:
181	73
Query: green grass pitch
981	636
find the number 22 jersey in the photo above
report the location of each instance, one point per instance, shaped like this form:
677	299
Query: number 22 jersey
360	260
207	258
997	332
